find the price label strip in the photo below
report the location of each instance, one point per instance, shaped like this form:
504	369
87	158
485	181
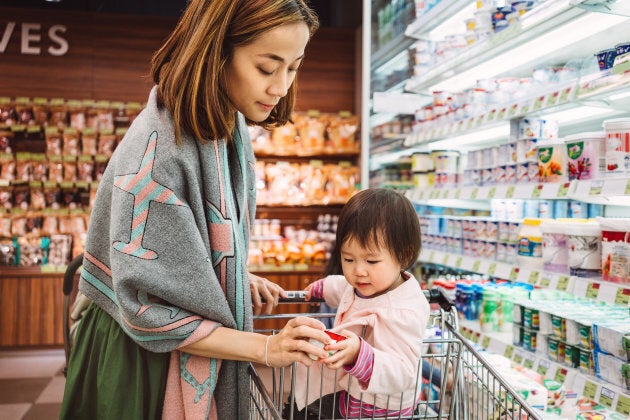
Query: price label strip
606	397
622	297
590	390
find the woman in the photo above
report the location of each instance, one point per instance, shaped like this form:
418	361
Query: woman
165	258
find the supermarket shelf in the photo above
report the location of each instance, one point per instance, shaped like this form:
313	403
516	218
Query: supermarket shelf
533	24
607	394
434	18
388	51
603	189
600	291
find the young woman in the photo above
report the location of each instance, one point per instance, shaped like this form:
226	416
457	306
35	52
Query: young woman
165	258
381	309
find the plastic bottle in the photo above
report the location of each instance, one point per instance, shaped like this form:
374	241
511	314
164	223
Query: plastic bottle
529	253
489	318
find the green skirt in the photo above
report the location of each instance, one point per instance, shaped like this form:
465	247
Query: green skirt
110	376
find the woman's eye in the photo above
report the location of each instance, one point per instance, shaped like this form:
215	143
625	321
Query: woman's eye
263	71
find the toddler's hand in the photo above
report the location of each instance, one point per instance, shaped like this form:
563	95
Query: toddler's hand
346	351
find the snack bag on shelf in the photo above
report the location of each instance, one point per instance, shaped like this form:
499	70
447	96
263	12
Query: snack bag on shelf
313	180
342	131
283	139
311	129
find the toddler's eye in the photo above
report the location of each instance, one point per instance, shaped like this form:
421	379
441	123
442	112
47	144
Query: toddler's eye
348	260
372	262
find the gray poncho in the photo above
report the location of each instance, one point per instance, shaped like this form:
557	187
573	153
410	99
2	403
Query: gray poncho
166	254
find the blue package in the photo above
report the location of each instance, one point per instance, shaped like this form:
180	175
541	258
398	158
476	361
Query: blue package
595	210
561	209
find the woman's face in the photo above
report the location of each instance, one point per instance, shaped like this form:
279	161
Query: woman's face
370	271
261	73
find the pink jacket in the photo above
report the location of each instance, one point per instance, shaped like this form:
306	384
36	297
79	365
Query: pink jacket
394	326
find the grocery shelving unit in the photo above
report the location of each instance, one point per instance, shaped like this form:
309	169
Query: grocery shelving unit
578	103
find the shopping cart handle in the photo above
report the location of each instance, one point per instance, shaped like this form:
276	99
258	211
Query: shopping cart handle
296	296
436	295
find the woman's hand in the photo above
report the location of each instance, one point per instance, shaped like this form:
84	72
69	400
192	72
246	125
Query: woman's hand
291	343
261	288
347	351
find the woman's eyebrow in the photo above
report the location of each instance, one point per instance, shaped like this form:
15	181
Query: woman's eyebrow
278	58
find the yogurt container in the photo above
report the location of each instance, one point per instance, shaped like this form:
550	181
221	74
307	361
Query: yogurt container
334	338
586	155
617	145
584	248
555	252
530	245
615	249
552	158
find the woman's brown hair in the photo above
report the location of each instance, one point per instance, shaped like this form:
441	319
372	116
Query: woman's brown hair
189	68
379	217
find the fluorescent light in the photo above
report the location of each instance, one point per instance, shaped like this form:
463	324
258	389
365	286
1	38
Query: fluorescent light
453	25
555	40
543	12
618	96
580	113
473	138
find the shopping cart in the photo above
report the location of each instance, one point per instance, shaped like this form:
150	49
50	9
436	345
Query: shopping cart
470	389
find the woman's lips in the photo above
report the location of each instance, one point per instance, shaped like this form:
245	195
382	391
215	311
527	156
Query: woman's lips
266	107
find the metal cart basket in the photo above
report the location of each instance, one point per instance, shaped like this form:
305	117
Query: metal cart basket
470	389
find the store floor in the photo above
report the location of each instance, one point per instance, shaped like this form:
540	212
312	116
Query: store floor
31	384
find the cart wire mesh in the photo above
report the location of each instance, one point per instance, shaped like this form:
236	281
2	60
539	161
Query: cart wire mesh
471	389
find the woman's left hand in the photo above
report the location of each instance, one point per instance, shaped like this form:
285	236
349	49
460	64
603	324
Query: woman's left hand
347	351
263	289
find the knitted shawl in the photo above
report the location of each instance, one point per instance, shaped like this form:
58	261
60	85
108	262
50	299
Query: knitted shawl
166	254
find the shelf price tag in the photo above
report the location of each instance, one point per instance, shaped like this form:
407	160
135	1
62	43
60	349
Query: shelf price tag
431	256
509	351
485	343
501	113
445	194
473	193
590	390
563	190
475	338
476	265
564	96
533	277
627	191
596	187
512	111
545	282
458	193
458	262
606	397
529	363
543	367
445	260
492	269
553	98
510	192
536	192
518	358
623	404
492	192
421	195
514	274
563	283
561	375
592	290
622	297
539	103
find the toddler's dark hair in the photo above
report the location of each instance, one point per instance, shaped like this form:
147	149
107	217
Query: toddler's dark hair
381	217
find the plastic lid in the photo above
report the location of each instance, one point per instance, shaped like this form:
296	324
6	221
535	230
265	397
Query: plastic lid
616	123
532	222
595	135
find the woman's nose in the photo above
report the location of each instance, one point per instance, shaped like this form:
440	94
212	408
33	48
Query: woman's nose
280	85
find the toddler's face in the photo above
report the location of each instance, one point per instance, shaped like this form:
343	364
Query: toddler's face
370	271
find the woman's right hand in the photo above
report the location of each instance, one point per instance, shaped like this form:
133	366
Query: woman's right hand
291	343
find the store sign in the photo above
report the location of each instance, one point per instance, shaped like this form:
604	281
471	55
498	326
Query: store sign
30	39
